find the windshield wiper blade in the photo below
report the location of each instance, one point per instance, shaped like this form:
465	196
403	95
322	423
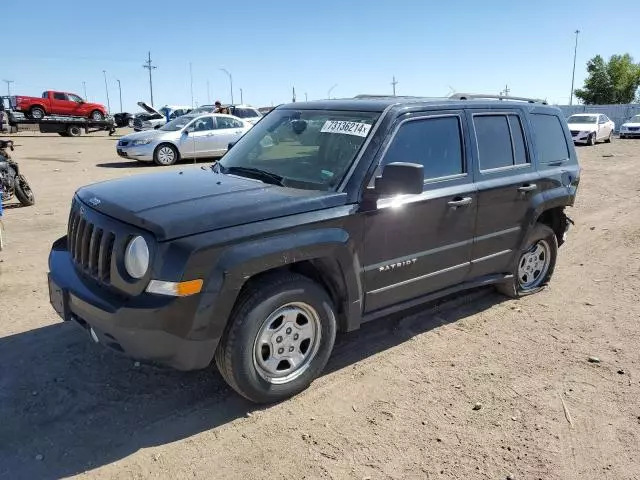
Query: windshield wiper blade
263	175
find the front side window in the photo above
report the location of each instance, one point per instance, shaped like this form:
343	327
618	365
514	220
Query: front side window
227	122
177	124
500	140
434	143
201	125
549	138
75	98
308	149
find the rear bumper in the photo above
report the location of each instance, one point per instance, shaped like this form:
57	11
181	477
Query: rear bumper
132	326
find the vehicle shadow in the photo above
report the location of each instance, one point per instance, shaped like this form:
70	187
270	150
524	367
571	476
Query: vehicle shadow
68	405
126	164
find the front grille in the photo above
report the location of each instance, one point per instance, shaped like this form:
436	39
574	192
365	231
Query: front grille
574	133
633	129
90	246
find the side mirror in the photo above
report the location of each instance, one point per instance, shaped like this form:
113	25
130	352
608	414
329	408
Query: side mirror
185	132
400	178
231	144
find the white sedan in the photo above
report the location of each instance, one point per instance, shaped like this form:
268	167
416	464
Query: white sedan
590	128
631	128
188	136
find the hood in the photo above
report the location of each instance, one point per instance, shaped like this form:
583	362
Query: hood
146	134
149	109
180	203
583	127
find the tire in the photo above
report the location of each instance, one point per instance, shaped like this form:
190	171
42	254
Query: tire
23	192
608	140
165	154
531	276
96	116
130	123
622	137
247	357
37	113
74	131
592	140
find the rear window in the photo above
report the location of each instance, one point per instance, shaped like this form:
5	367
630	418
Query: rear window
550	141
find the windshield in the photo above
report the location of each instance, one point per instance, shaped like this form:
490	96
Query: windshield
178	124
310	149
583	119
635	119
204	109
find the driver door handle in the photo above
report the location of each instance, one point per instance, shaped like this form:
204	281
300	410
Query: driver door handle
459	202
529	187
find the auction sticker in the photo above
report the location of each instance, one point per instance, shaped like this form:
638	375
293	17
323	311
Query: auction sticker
347	128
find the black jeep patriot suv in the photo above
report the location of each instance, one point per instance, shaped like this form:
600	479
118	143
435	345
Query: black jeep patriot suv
323	216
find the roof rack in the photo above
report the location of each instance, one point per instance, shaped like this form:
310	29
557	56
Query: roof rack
367	95
478	96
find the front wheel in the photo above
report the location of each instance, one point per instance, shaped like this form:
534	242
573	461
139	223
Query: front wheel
592	140
96	116
165	155
534	265
130	123
23	192
279	338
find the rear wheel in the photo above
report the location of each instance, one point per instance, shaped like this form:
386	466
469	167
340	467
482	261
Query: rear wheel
610	137
23	192
74	131
279	338
37	113
165	155
534	265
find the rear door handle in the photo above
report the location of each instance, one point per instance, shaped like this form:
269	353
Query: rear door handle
530	187
459	202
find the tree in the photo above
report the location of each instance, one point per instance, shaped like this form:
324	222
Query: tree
615	81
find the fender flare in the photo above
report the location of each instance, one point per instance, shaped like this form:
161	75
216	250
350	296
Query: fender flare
239	263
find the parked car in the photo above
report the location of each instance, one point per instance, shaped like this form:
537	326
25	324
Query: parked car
631	128
245	112
59	103
154	119
590	128
124	119
187	136
258	261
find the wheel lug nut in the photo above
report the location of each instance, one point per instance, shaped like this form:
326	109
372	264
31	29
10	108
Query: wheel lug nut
295	337
291	349
288	330
279	339
281	351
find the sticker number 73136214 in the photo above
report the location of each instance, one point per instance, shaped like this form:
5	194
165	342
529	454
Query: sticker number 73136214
347	128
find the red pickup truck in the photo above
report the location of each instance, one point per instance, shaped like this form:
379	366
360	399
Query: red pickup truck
59	103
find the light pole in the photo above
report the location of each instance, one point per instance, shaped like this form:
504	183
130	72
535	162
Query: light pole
84	87
120	90
191	78
230	81
394	82
106	87
241	99
306	99
573	74
8	82
331	90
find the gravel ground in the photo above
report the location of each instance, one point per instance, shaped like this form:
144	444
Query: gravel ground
477	386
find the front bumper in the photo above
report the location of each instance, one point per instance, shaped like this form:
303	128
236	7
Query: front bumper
141	152
581	137
135	326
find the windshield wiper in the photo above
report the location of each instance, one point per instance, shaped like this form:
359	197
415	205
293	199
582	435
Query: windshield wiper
259	174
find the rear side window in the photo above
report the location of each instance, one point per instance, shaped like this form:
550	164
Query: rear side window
59	96
435	143
500	141
551	143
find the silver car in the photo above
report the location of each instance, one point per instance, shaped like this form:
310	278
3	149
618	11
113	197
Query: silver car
189	136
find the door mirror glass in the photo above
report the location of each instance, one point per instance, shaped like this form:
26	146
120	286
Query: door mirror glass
400	178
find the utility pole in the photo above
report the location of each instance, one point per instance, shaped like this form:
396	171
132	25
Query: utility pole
394	83
294	95
149	66
241	99
191	77
230	81
84	87
331	90
120	90
306	99
505	92
208	93
573	74
106	87
8	82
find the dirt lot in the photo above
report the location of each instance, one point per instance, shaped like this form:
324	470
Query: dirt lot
396	401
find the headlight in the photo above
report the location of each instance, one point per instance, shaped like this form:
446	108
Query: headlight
144	141
136	258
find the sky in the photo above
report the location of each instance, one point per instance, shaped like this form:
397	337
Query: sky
270	47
